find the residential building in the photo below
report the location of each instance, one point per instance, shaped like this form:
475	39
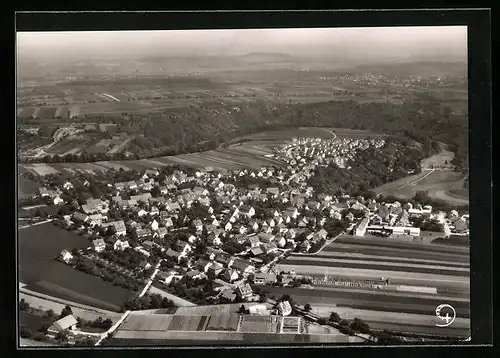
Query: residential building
66	256
99	245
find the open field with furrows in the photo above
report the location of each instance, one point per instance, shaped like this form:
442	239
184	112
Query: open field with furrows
45	304
162	338
437	183
413	269
250	154
255	324
38	269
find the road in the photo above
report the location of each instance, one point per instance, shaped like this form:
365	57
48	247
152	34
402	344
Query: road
441	194
125	315
34	224
419	179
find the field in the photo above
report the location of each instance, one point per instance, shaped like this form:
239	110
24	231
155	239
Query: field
437	183
416	270
26	187
249	154
38	269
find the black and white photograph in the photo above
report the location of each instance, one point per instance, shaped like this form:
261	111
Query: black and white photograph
243	186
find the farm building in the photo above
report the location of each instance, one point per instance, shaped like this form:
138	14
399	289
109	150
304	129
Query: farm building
66	323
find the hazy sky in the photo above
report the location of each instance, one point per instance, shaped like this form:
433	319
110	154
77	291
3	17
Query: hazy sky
371	42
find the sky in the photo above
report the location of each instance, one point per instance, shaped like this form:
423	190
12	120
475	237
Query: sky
375	42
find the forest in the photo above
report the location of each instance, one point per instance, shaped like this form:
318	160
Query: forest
204	127
369	169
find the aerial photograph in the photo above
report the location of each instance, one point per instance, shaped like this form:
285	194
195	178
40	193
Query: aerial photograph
243	187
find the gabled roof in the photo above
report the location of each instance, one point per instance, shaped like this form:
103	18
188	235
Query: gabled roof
64	323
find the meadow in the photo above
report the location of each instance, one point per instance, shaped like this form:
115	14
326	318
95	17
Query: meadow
38	246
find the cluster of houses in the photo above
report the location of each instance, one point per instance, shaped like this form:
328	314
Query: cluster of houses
226	213
395	219
308	153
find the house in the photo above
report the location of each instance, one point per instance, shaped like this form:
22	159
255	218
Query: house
264	278
142	251
265	237
80	217
173	207
205	200
99	245
192	239
244	290
280	241
168	222
230	275
145	265
203	265
215	269
154	225
305	246
131	185
254	225
57	200
242	265
65	256
183	247
228	226
284	308
143	233
313	205
148	245
269	248
228	295
67	185
120	245
199	191
67	323
154	211
165	277
214	240
247	211
120	228
173	255
322	234
274	192
195	274
198	225
224	259
253	241
162	231
256	251
163	190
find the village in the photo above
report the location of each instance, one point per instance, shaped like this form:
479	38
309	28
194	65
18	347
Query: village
225	228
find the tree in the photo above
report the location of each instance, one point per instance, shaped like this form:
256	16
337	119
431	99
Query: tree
26	332
307	307
49	313
66	311
334	317
360	326
23	305
62	336
242	309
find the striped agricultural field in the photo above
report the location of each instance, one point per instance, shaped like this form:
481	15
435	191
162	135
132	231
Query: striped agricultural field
401	260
